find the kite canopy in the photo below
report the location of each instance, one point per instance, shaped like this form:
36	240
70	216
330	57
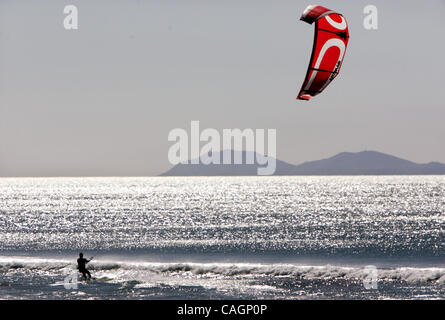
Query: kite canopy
330	42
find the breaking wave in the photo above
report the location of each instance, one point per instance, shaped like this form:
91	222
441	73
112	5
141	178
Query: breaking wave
232	270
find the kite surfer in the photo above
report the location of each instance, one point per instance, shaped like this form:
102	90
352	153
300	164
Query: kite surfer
81	265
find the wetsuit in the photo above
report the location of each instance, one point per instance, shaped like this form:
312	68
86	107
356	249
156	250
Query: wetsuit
81	265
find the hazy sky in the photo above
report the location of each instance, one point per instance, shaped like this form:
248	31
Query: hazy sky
101	100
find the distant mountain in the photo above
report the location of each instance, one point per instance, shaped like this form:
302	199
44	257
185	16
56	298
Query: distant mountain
345	163
366	163
226	169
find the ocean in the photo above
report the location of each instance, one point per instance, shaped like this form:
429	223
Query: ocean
315	237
